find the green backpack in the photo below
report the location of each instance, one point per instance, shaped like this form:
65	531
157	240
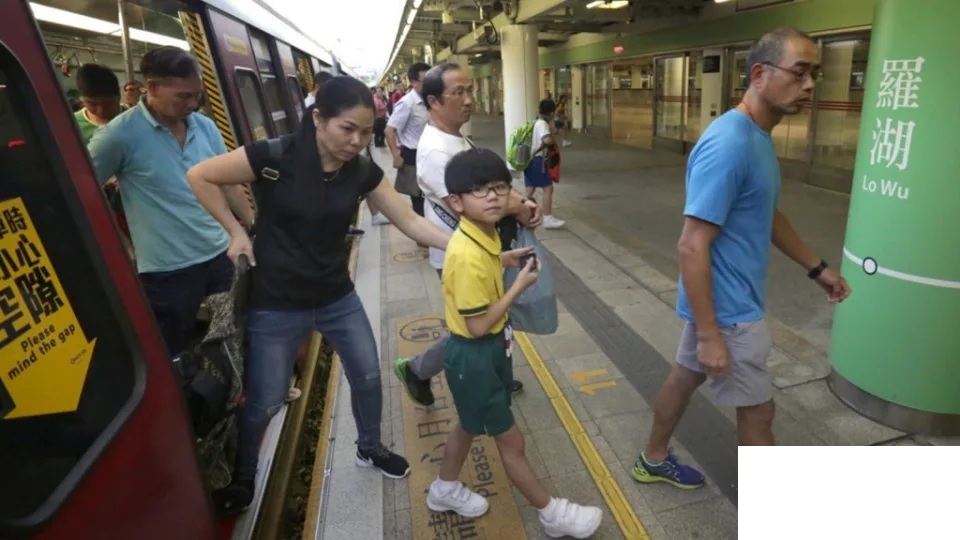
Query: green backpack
519	146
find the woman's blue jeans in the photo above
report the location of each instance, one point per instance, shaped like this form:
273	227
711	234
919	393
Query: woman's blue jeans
274	337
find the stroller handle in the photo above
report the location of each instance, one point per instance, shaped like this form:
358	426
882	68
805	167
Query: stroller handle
243	264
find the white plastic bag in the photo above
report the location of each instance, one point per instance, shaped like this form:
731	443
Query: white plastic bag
535	310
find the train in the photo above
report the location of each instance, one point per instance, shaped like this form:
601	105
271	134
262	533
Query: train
95	437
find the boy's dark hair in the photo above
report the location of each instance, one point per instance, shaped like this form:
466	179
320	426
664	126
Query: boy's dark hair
547	106
169	62
413	74
96	81
474	168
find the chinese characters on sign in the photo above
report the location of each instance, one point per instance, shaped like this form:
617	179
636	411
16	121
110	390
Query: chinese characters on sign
44	354
892	138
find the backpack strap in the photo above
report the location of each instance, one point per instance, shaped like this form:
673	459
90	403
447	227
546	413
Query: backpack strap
269	168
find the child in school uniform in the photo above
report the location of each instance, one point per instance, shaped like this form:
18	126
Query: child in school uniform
478	366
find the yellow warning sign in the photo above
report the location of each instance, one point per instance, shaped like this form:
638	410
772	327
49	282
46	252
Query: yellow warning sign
44	354
425	434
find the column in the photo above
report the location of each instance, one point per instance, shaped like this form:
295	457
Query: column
464	62
895	348
520	66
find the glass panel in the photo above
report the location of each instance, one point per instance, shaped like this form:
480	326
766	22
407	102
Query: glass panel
293	87
839	100
738	77
272	91
670	83
692	121
597	98
68	368
632	102
261	50
252	104
564	83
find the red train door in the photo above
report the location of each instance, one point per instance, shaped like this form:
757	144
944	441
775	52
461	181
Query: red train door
94	438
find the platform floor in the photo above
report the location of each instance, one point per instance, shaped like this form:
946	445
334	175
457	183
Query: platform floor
615	267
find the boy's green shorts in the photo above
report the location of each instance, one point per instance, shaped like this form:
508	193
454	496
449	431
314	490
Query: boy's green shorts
480	376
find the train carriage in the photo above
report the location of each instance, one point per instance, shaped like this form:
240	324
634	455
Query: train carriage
94	439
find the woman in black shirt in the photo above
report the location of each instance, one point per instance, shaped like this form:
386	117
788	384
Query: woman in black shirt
299	277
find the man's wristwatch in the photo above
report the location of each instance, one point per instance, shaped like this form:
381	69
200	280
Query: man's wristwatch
817	270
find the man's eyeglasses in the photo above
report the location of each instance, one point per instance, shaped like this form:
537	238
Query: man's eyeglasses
814	74
481	192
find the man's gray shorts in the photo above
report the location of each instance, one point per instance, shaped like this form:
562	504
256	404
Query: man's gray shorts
749	345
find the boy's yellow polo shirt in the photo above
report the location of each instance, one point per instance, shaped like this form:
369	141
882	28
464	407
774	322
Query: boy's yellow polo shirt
472	277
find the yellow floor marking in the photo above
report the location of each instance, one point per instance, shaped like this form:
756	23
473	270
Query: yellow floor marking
592	388
425	434
612	493
583	376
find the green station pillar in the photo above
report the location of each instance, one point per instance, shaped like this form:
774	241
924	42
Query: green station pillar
895	348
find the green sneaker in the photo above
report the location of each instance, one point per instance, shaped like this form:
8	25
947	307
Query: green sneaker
419	391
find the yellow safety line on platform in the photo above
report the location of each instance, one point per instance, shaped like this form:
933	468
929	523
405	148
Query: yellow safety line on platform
619	506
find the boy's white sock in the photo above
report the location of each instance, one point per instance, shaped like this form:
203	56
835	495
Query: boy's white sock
445	487
548	511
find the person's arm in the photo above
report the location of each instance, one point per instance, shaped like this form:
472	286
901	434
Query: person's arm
390	204
694	253
786	239
108	152
524	209
398	120
713	181
236	197
224	171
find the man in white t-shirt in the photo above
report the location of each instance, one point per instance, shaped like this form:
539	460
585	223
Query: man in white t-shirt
447	93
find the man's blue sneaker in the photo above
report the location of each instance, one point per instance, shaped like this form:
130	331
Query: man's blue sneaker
669	471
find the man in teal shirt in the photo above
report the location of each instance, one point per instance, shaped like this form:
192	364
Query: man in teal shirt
181	249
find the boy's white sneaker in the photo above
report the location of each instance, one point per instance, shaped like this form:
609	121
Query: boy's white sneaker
460	500
571	519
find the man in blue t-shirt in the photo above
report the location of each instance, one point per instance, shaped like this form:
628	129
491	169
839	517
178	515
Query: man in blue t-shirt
730	218
180	248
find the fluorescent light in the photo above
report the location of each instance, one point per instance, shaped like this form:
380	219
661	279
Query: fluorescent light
416	4
608	4
82	22
720	1
411	16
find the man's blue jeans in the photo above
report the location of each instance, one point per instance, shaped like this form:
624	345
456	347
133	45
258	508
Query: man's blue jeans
274	337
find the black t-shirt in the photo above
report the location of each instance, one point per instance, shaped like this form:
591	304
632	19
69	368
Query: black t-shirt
301	226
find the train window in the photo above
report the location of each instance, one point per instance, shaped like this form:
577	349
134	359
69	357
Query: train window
272	90
71	371
252	103
261	51
293	86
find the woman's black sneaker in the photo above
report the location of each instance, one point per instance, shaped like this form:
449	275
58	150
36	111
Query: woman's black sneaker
233	499
516	386
390	464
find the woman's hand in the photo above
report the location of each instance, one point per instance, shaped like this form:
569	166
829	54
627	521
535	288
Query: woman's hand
240	244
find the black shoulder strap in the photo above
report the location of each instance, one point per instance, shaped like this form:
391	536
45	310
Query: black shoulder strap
269	169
